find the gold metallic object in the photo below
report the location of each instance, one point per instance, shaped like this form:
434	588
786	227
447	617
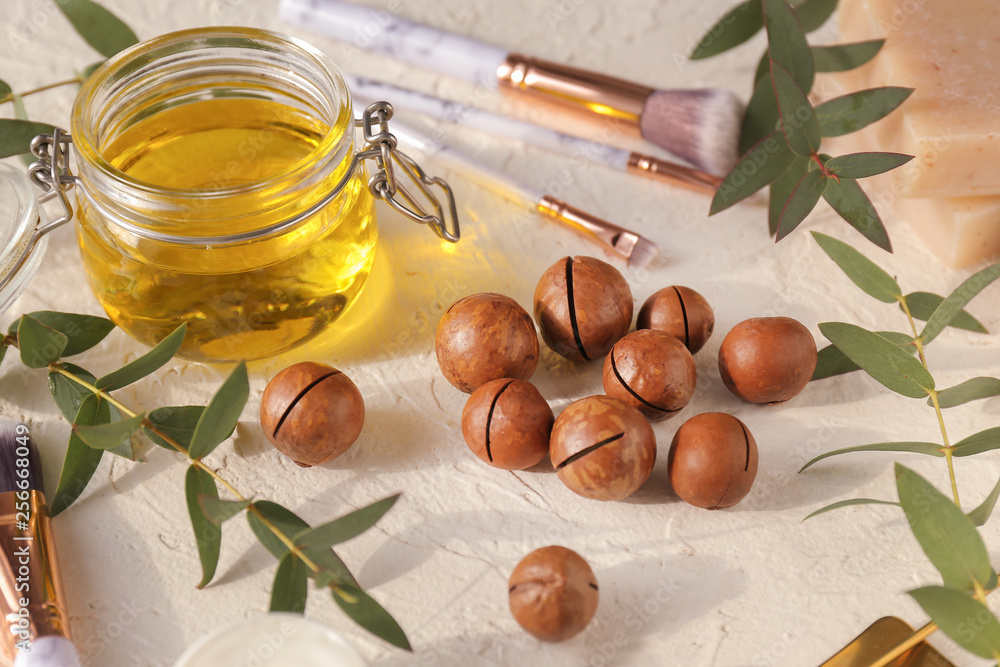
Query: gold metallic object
889	642
673	173
619	239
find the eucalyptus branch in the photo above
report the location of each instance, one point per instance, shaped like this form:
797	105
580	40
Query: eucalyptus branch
9	97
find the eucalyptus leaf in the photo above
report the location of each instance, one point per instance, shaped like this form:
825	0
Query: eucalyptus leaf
977	443
966	620
798	118
944	532
16	135
786	42
40	345
218	511
850	503
6	90
758	167
812	14
885	361
104	31
175	422
737	26
763	69
370	615
197	484
803	200
927	448
346	527
981	514
957	300
82	331
851	112
974	389
81	461
68	395
863	272
761	115
844	57
291	586
847	198
863	165
125	449
22	114
3	351
831	361
111	435
218	421
782	188
923	304
146	364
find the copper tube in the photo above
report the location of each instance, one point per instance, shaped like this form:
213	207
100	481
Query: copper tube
617	239
31	595
568	87
673	173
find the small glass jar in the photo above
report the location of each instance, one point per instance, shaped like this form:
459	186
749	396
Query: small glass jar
218	185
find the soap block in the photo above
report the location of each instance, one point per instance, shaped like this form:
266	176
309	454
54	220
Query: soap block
950	53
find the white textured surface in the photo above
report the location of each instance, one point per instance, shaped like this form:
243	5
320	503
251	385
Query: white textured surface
747	587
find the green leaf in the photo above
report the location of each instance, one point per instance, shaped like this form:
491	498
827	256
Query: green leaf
370	615
346	527
981	514
851	112
967	621
69	395
850	503
146	364
883	360
852	204
175	422
787	43
218	421
863	272
737	26
782	189
198	483
104	31
761	116
759	166
82	331
803	200
125	449
81	461
863	165
844	57
944	532
812	14
831	361
218	511
40	345
798	118
3	351
977	443
6	90
16	135
968	391
291	586
923	304
109	436
763	69
957	300
928	448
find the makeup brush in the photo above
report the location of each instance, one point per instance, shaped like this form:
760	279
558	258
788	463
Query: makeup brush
615	158
37	626
700	126
638	251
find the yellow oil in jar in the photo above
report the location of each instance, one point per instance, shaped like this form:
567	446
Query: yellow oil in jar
234	164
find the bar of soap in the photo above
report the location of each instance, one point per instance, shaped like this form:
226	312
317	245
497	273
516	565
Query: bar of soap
950	53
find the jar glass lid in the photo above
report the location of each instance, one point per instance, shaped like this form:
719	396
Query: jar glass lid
19	220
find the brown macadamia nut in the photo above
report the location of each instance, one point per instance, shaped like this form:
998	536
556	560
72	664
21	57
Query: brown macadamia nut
582	306
767	359
553	593
507	424
712	461
602	448
311	412
680	312
485	337
651	371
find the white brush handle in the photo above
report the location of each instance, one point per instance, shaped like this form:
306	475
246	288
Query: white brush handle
454	112
378	30
50	651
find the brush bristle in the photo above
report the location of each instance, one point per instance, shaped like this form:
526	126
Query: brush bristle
644	252
700	126
17	452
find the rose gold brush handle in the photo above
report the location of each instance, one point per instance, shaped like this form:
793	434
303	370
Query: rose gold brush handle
619	239
673	173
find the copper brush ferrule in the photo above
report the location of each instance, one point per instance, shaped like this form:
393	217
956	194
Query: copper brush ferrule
617	239
673	173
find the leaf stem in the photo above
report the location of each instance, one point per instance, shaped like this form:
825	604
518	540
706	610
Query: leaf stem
9	97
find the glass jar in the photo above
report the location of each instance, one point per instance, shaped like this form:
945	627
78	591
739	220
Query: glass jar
218	185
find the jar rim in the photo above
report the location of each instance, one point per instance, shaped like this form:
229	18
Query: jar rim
340	129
